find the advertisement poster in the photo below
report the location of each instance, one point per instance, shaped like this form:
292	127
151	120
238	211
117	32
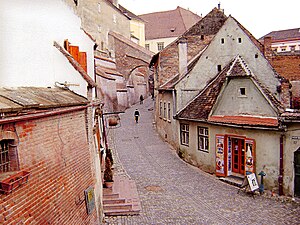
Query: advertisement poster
220	155
229	156
250	147
252	181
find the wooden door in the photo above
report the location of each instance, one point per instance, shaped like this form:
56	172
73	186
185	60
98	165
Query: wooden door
238	155
297	173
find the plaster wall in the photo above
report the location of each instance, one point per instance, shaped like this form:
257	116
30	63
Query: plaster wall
27	55
166	127
218	53
266	156
292	143
231	102
153	43
137	29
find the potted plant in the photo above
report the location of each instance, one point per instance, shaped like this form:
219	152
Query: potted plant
108	173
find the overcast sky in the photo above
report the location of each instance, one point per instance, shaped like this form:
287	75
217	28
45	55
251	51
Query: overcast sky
258	16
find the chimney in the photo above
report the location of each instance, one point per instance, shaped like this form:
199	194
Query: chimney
268	47
182	56
285	95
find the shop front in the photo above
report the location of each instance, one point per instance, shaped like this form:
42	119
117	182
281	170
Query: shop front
235	155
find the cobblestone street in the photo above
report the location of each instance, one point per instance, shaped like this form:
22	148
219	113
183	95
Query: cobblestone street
173	192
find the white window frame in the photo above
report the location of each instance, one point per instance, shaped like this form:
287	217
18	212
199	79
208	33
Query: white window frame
184	134
203	139
169	112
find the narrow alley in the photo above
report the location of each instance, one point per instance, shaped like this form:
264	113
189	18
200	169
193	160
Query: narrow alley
173	192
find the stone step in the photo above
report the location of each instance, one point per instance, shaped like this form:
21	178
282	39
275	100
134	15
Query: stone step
113	201
111	196
121	212
121	206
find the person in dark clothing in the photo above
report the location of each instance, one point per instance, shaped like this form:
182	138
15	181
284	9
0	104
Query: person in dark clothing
141	99
136	115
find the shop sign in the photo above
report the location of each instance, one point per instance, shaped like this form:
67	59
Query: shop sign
252	181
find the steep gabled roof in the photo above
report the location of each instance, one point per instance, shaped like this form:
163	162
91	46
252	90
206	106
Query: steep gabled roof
200	107
76	65
280	35
172	23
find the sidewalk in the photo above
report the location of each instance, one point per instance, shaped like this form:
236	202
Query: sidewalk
174	192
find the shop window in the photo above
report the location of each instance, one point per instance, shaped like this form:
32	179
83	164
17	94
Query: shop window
184	134
203	139
169	111
160	46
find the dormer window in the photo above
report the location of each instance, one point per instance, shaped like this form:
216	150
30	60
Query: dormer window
173	29
242	91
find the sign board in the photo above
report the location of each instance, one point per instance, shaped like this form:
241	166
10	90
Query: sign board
252	181
89	199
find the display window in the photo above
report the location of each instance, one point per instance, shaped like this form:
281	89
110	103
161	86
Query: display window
234	155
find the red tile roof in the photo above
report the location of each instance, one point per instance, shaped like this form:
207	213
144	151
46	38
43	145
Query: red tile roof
171	23
245	120
280	35
200	107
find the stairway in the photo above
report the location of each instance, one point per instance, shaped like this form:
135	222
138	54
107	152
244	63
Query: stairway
122	198
233	180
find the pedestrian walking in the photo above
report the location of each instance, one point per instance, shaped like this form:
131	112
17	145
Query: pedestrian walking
136	115
141	99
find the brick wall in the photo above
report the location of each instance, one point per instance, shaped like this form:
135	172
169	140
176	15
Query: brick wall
55	151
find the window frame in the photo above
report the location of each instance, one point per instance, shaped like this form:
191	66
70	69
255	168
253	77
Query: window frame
160	109
160	46
165	111
184	134
169	112
203	139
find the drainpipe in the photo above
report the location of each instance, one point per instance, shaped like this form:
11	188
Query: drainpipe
280	178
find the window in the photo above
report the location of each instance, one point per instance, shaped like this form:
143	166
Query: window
5	156
160	109
283	49
147	46
114	18
184	134
160	46
242	91
292	48
169	111
165	110
256	56
222	40
99	8
203	139
219	68
99	28
202	37
240	40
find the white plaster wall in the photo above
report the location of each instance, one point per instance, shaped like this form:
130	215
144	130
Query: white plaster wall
267	150
221	54
153	43
27	54
232	103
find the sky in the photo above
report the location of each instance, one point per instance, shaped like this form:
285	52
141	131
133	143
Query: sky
258	16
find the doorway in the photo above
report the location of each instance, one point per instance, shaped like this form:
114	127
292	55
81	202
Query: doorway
297	173
238	156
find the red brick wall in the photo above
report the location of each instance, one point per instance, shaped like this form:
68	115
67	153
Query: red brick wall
55	151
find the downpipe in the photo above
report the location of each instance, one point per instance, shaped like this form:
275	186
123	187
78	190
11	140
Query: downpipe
280	178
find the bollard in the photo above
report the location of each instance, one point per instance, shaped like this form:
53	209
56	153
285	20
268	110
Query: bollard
261	186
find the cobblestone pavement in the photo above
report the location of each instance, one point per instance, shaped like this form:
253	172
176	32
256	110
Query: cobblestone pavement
173	192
